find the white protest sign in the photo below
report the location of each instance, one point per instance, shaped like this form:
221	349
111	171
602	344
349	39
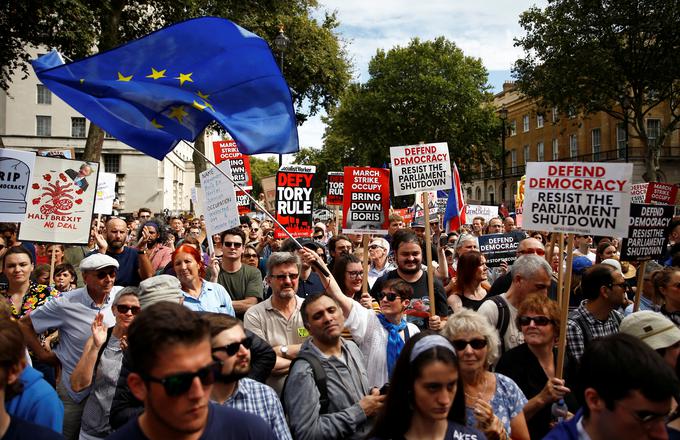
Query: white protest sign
16	173
416	168
198	199
106	192
418	209
578	197
221	210
485	211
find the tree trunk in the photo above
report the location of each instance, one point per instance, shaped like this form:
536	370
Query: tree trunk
199	161
94	143
651	163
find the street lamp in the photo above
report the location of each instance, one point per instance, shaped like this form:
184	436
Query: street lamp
281	42
503	115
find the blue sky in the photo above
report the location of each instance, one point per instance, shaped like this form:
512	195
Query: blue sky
483	28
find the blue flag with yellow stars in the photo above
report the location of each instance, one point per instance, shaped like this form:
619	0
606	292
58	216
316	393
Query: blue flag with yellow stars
155	91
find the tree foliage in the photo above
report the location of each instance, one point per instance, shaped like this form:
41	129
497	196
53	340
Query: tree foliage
260	168
619	56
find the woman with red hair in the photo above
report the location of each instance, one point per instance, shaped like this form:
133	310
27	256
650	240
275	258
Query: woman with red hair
199	295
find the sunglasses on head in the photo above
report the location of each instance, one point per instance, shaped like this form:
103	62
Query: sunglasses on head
180	383
233	244
101	274
540	321
539	252
123	309
390	296
476	344
234	347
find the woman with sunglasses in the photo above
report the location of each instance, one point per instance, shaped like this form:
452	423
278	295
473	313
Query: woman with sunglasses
470	286
493	402
532	364
426	399
101	362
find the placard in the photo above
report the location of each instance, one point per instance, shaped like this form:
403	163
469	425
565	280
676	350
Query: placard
269	191
578	197
485	211
366	205
198	199
16	173
243	202
647	232
106	193
417	168
64	153
240	163
499	247
61	197
654	192
335	188
295	201
433	203
221	211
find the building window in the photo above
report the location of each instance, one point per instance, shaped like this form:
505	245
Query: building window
478	193
555	114
108	136
44	95
513	128
78	127
595	140
43	126
573	146
539	120
525	122
526	154
653	130
540	152
555	150
513	161
621	139
111	163
571	112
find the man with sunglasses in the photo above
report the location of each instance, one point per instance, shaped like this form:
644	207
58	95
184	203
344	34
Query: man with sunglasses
173	374
242	281
72	314
231	348
582	245
378	265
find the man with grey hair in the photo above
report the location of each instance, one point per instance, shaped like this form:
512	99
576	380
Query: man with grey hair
277	320
530	274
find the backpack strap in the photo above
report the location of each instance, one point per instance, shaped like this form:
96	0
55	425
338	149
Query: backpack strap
109	332
320	378
503	318
407	333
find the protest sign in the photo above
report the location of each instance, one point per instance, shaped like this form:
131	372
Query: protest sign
519	202
221	211
366	205
240	163
61	195
198	199
106	192
295	201
269	192
485	211
654	192
417	168
243	202
405	213
647	232
16	173
578	198
335	191
433	204
65	153
499	247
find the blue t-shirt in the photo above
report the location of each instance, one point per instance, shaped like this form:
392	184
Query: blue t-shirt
507	402
128	267
223	423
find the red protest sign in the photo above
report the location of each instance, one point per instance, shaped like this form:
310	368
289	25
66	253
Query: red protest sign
295	201
654	192
366	205
335	188
240	164
243	202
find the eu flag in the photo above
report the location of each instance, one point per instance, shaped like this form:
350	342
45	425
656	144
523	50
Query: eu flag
155	91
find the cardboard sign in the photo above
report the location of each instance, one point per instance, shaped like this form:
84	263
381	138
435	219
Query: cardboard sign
64	153
432	201
578	198
198	199
221	211
335	188
419	168
647	232
366	206
269	191
486	211
16	173
106	192
243	202
499	247
295	200
61	197
405	213
654	192
240	164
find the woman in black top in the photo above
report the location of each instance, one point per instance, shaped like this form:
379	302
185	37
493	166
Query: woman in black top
470	287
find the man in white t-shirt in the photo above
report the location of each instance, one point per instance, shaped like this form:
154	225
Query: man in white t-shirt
582	245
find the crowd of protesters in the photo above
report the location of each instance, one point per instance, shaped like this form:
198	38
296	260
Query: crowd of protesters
154	330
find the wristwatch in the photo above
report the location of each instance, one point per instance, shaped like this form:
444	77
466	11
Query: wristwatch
284	351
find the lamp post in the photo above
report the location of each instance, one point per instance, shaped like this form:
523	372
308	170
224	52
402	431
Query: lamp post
281	42
503	115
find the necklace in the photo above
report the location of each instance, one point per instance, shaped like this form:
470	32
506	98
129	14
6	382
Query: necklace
482	387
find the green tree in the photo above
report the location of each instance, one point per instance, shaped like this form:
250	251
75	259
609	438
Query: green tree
260	168
427	91
619	57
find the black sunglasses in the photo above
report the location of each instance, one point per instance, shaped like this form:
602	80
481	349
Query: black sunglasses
234	347
178	384
389	295
101	274
233	244
477	344
123	309
540	321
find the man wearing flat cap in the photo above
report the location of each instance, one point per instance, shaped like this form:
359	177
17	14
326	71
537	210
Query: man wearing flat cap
72	314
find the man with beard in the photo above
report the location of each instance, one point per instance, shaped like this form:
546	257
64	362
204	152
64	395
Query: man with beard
133	264
158	253
338	245
231	348
409	257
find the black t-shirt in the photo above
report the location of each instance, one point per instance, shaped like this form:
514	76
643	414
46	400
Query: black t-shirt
224	423
22	430
418	310
128	267
454	431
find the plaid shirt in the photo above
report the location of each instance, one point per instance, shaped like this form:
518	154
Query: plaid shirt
256	398
598	329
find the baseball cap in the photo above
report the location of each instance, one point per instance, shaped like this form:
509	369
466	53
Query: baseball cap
579	264
97	261
652	328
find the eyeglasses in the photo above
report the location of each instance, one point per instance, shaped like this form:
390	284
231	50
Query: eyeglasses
390	296
123	309
374	246
539	252
254	229
283	276
249	255
354	274
476	344
318	237
540	321
180	383
233	244
101	274
234	347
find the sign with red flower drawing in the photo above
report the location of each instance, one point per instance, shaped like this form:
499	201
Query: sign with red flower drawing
60	201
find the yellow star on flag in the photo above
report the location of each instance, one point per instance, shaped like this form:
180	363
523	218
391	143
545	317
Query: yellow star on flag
155	74
124	78
178	113
198	106
82	80
183	77
202	96
209	105
155	123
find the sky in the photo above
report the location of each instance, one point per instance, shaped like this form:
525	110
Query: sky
481	28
